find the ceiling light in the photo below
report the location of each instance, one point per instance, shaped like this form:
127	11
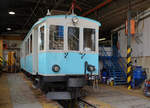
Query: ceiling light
102	39
11	13
8	29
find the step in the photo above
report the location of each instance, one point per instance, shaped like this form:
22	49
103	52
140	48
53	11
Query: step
59	95
120	80
114	76
120	83
117	73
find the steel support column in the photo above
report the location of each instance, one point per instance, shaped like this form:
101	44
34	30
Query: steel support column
129	64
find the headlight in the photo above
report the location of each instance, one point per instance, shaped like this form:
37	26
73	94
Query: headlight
56	68
91	68
75	20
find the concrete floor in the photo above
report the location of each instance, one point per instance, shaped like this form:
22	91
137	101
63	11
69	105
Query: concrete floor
16	92
21	95
118	97
5	99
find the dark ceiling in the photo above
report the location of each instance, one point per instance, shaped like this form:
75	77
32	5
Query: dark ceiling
28	12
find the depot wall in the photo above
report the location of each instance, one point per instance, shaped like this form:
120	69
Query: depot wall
140	43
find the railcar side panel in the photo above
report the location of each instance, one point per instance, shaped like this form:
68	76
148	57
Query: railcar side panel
22	61
29	63
42	63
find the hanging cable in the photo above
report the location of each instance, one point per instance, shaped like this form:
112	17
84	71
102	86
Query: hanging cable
37	4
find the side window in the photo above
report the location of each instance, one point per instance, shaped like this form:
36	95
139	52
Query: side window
89	39
23	50
28	46
56	37
73	38
21	53
31	43
41	38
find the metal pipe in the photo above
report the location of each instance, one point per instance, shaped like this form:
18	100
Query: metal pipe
97	7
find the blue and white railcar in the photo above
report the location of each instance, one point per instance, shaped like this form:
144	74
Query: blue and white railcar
60	47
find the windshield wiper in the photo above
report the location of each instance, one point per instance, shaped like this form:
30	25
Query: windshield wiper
66	54
83	54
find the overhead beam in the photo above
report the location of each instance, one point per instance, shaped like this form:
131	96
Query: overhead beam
110	21
97	7
122	8
140	5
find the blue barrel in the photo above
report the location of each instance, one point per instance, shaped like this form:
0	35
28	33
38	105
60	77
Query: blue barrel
138	76
138	73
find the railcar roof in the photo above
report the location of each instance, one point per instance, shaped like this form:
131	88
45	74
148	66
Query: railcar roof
61	16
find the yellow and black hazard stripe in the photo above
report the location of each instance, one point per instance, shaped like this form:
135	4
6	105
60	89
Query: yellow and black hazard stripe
129	68
1	60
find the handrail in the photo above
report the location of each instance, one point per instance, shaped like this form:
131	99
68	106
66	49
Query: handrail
104	53
124	66
114	63
121	59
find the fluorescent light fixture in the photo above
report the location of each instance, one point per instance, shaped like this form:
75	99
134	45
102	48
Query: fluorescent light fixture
102	39
8	28
11	13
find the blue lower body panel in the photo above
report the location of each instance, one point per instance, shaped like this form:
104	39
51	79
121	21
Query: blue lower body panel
72	64
27	63
22	63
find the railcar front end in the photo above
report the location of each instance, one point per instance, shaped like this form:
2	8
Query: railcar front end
59	52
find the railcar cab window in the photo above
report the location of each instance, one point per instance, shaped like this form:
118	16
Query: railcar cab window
89	39
56	37
73	38
41	39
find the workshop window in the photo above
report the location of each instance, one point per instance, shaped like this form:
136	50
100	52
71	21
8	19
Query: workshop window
89	38
73	38
56	37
